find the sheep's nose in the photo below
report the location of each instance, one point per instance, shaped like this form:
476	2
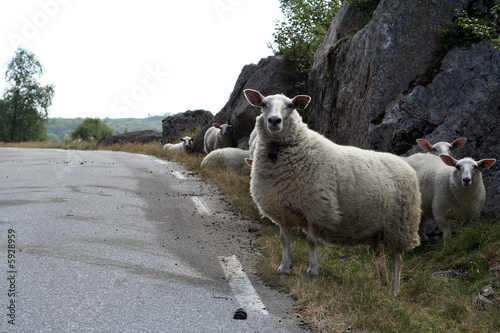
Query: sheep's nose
274	120
466	181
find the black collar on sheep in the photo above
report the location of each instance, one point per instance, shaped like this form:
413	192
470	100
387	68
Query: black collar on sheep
273	151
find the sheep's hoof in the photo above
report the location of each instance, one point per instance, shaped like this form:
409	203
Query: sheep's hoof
283	270
313	271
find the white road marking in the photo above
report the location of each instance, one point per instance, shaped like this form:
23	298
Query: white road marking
200	206
243	289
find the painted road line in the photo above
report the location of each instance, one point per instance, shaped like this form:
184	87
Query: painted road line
200	205
242	288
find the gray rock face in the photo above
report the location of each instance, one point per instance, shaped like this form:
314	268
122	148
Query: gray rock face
270	76
383	85
176	125
131	137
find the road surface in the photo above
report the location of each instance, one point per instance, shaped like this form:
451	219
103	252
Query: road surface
97	241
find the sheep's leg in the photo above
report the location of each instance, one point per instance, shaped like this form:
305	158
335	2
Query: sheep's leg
397	260
422	232
286	260
380	260
445	225
312	241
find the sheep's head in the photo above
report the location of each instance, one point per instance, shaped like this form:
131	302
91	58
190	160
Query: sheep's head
276	108
441	147
466	168
187	142
225	129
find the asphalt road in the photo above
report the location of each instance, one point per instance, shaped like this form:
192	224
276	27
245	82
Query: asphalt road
96	241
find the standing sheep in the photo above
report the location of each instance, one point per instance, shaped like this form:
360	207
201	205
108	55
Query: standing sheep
341	194
218	136
441	147
185	146
233	158
449	193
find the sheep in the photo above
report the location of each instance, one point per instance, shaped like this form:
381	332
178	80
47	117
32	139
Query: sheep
341	194
233	158
449	193
218	136
441	147
185	146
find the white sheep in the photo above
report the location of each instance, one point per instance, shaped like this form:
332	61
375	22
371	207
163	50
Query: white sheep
341	194
441	147
451	189
218	136
233	158
186	145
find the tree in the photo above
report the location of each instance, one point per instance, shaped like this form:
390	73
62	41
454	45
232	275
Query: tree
305	24
24	108
91	129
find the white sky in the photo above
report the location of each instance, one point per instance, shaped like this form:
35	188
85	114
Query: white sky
129	58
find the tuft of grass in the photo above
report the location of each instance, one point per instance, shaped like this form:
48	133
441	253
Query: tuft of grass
347	296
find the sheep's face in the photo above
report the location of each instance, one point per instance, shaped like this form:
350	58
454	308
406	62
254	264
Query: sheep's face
225	129
466	169
276	108
441	147
187	142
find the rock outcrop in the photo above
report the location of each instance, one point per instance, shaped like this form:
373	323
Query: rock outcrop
175	126
270	76
382	83
131	137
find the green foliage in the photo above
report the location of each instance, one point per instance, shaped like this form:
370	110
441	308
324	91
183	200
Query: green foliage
61	128
91	130
305	24
483	28
24	108
468	29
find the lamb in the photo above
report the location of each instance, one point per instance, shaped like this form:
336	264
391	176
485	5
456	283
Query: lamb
218	136
233	158
441	147
185	146
341	194
449	193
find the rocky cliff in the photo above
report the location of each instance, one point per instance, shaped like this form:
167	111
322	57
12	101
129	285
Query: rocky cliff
270	76
379	82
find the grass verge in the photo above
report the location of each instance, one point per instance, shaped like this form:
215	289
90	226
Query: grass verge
346	296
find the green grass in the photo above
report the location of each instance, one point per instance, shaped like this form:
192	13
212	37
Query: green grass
347	296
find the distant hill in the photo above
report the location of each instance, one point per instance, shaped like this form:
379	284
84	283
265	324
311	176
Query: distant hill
60	127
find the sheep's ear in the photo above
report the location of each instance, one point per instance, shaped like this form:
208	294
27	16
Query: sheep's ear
448	160
249	161
301	101
216	125
457	144
253	97
486	163
425	145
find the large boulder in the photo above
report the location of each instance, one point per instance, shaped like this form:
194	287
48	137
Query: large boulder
176	125
131	137
270	76
382	84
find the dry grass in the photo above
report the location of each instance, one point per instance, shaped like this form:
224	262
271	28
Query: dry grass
347	297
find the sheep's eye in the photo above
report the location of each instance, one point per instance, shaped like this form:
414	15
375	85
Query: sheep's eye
458	167
434	149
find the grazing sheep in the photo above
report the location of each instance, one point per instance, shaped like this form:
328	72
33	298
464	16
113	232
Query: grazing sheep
218	136
233	158
185	146
343	195
449	193
441	147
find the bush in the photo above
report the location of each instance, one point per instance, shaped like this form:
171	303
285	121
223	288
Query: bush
91	130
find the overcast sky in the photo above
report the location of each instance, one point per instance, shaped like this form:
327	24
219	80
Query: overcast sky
137	58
